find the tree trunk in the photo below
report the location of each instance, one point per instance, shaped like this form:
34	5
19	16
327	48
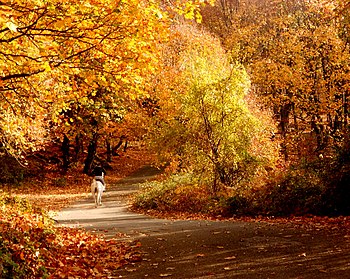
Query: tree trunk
115	148
318	130
283	127
78	148
91	154
125	145
109	150
65	153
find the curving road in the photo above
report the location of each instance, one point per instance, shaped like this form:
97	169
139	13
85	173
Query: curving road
211	249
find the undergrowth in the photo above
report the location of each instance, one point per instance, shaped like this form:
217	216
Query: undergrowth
179	193
305	189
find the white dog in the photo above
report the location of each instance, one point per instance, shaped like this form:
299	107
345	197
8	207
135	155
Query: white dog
97	189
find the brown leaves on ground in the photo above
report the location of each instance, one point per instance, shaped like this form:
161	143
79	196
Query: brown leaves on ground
313	222
32	247
83	255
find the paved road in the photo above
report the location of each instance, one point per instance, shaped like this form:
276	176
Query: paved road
211	249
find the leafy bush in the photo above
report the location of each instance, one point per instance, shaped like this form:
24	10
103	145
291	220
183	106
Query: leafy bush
335	198
23	235
287	199
236	205
10	170
179	193
318	188
309	188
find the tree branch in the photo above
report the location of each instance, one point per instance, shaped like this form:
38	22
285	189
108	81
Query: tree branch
21	75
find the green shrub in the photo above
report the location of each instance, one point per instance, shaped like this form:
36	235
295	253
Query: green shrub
60	181
336	196
179	193
316	188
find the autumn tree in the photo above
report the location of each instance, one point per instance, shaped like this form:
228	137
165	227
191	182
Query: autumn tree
298	57
211	130
56	56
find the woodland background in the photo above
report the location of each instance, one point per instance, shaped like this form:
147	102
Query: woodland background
245	103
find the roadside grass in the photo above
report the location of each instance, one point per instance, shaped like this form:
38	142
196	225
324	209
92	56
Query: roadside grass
306	188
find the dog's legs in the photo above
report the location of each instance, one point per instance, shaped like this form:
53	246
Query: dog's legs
100	192
94	191
95	197
99	197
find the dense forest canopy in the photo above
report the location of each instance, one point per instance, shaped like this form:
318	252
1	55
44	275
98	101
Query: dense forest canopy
230	90
297	53
62	62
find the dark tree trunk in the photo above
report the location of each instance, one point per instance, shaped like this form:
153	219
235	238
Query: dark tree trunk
91	154
318	129
284	119
125	145
78	148
65	153
283	127
115	148
109	150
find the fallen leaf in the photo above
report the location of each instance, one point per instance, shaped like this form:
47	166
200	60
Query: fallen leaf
170	268
230	258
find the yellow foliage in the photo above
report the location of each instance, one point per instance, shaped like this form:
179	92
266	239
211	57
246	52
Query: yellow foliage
55	53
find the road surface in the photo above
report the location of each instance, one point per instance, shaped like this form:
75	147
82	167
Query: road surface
211	249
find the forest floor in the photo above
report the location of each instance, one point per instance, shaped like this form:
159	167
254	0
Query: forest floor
235	248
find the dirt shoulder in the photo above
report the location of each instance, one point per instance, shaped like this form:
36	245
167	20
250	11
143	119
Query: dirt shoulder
212	249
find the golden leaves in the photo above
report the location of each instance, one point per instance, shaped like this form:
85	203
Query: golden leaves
190	9
65	50
297	57
10	25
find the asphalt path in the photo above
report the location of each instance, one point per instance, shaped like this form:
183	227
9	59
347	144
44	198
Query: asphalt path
210	249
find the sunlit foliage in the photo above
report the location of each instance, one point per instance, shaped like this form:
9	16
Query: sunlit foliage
212	129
